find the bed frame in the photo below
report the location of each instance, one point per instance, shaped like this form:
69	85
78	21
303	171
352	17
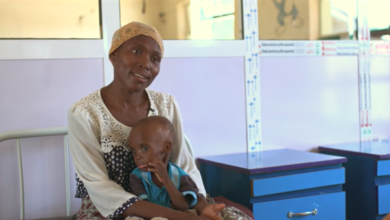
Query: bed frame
42	132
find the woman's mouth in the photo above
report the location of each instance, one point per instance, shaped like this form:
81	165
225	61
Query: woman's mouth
140	77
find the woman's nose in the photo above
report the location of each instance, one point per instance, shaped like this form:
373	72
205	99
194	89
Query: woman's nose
144	62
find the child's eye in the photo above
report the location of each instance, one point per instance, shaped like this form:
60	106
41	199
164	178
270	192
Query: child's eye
133	151
144	149
154	59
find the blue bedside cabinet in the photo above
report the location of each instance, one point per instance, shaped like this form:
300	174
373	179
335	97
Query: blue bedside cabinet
282	184
367	185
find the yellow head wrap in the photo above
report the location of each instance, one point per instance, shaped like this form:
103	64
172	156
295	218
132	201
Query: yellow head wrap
134	29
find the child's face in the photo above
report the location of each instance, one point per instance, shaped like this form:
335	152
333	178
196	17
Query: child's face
147	144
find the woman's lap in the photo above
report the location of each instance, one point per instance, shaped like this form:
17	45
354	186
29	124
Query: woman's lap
232	211
88	211
239	207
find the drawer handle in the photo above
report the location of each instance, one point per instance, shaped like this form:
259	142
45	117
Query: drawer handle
314	212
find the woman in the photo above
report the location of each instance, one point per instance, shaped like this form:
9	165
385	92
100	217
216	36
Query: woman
100	123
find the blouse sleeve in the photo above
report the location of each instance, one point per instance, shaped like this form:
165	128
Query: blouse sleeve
109	198
180	154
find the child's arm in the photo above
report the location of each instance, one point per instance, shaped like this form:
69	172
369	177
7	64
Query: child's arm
202	207
137	187
149	210
160	169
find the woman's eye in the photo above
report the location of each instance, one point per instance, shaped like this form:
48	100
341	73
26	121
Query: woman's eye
144	148
136	52
154	59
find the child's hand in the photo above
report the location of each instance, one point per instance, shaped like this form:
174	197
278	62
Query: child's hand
160	169
213	211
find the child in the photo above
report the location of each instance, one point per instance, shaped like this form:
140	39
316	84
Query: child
156	179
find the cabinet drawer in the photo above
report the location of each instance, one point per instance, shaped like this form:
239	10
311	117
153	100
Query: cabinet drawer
383	168
383	199
280	184
328	206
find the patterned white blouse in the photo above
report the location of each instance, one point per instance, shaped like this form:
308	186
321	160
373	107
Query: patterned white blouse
101	157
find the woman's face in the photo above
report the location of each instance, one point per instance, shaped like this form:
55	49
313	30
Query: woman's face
136	63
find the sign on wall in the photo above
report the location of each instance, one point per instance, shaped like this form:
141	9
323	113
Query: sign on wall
252	82
308	48
364	73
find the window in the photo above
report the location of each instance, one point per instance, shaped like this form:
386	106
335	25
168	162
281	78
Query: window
307	20
186	19
379	19
50	19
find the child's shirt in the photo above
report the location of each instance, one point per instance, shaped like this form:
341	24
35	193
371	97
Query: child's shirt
141	184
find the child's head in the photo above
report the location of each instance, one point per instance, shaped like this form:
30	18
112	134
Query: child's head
151	138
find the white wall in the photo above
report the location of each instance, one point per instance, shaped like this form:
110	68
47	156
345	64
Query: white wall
309	101
380	96
211	96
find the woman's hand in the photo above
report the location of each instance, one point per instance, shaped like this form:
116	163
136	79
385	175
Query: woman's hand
160	169
213	211
196	217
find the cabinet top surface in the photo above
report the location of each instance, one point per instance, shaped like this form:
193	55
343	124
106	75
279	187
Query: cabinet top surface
372	149
271	161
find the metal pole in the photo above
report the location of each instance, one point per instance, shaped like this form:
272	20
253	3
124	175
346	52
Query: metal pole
21	185
67	184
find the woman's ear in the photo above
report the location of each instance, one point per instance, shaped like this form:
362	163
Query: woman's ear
111	57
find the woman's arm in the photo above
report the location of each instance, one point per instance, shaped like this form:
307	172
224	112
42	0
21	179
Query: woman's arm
149	210
89	164
180	154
